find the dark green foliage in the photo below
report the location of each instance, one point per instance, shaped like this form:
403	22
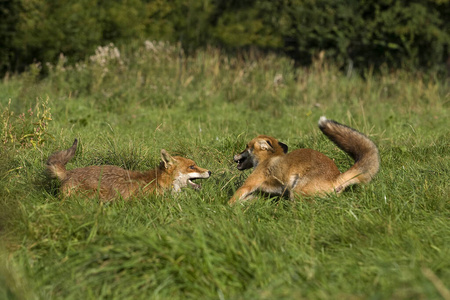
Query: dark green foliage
365	33
9	16
355	34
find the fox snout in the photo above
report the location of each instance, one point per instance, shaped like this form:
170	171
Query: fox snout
202	173
243	160
238	157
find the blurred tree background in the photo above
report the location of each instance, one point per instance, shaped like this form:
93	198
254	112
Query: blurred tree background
352	34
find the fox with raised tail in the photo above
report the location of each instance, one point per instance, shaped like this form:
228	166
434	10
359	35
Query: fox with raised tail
109	182
305	171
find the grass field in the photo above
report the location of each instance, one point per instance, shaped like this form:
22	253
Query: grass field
389	239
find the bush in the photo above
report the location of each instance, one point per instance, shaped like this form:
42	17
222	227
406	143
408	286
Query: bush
360	34
9	16
28	128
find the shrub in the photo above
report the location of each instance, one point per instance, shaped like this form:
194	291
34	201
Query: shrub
27	129
361	34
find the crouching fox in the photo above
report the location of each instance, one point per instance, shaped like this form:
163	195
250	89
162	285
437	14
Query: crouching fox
109	182
305	171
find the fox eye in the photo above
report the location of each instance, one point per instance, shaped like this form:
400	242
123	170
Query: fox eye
192	167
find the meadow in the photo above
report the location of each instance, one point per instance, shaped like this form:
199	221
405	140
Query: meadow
389	239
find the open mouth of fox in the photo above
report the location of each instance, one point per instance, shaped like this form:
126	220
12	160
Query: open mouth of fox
197	176
243	160
194	185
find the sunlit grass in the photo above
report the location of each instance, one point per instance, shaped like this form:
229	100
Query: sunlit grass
388	239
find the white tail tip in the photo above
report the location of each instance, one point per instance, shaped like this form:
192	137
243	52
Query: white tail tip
322	120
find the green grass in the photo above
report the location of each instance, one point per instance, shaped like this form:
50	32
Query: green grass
388	239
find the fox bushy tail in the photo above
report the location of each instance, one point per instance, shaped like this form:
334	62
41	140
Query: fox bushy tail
56	163
359	147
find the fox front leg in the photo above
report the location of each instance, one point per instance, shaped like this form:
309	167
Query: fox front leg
244	193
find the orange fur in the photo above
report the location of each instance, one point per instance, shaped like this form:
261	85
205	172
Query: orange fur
305	171
109	182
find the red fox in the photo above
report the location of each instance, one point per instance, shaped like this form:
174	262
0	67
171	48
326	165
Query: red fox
305	171
109	182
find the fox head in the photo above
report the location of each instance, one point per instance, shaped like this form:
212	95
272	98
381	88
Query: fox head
182	171
258	150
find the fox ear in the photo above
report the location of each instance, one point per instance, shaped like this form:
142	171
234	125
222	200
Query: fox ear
265	145
284	146
166	159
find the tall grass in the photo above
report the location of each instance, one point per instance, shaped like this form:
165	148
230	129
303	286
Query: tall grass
388	239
